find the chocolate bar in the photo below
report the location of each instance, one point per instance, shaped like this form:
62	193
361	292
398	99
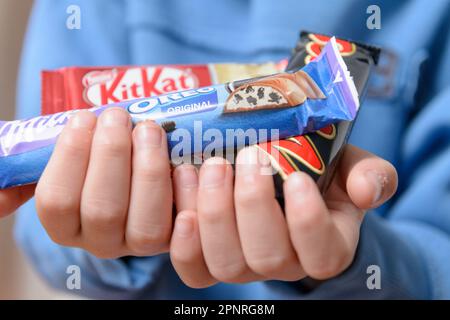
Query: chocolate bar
26	145
318	153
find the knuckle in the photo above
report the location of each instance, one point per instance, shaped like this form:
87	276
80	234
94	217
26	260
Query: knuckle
307	221
328	268
182	257
268	265
210	215
112	145
103	215
247	197
152	171
74	142
61	239
104	253
228	272
150	240
196	283
52	201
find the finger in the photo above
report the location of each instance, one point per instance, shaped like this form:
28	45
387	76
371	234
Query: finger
149	223
217	223
185	178
105	195
369	180
322	249
58	193
11	199
186	252
259	218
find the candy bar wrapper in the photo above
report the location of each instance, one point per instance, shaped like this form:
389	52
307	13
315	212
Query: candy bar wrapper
318	153
72	88
278	106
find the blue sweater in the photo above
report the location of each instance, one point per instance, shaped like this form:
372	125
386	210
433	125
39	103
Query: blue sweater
405	119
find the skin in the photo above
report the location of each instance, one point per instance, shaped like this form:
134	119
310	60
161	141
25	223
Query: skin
108	189
239	234
97	194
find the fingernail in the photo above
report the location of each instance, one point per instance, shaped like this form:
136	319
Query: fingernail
252	162
148	135
213	172
184	227
378	181
187	176
297	182
80	121
247	166
114	118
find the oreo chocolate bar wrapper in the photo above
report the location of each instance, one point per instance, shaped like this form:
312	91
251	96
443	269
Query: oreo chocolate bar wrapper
277	106
318	153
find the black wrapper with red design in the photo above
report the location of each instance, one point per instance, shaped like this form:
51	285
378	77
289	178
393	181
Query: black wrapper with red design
318	153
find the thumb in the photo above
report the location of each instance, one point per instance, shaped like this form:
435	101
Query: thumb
370	181
13	198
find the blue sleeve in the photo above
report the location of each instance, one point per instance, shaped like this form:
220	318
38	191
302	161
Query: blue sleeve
411	244
49	44
99	278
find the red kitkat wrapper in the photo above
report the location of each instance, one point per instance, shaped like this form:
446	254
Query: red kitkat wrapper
84	87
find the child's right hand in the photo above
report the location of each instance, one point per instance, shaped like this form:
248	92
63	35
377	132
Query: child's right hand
107	188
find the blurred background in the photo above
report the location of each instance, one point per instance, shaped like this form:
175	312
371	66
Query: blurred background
17	279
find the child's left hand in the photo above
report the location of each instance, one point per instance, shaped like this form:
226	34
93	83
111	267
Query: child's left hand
238	233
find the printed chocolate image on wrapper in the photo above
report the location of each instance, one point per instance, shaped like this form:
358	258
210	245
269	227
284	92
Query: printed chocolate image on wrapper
26	145
280	91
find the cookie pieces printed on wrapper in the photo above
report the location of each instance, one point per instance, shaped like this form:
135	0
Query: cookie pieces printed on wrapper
280	91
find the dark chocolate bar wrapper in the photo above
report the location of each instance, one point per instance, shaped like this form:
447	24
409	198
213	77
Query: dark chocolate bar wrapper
318	153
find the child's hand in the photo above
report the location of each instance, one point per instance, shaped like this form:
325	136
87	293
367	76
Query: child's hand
13	198
239	234
97	194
